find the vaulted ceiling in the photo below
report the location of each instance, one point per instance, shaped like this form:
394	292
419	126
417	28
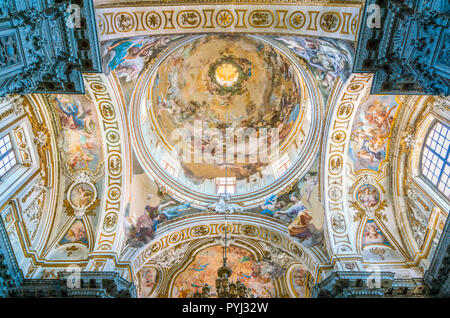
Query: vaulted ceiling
115	184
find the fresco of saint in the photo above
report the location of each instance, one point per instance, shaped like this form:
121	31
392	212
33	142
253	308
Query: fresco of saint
143	230
373	235
80	130
128	57
305	225
368	196
371	130
82	195
328	58
301	226
76	234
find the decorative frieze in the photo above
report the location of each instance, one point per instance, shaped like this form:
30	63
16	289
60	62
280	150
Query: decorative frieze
331	20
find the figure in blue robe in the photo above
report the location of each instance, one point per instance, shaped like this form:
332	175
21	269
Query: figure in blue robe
294	113
117	54
269	205
170	213
175	211
71	110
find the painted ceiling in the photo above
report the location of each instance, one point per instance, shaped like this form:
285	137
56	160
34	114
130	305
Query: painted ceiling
350	200
219	83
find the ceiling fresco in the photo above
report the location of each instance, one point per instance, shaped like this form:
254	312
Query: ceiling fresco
328	59
155	207
113	182
298	279
206	86
128	57
202	270
225	84
369	139
298	208
80	130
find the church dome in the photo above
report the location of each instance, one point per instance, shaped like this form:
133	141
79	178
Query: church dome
224	106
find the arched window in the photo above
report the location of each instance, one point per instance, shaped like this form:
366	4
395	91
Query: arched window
7	155
435	158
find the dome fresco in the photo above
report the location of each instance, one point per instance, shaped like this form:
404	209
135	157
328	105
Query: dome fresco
225	85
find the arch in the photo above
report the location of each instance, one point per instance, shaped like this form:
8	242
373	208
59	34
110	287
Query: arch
242	225
419	209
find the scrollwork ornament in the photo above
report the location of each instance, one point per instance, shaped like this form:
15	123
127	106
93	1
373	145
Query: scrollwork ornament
338	223
441	104
407	142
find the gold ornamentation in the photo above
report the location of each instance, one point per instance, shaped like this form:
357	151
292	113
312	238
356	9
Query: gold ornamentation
189	19
289	188
174	237
113	22
107	110
356	87
224	18
352	95
354	24
42	135
200	230
338	222
124	22
114	164
261	18
98	266
153	20
30	271
335	193
49	274
330	21
249	230
23	146
378	252
110	222
71	249
297	19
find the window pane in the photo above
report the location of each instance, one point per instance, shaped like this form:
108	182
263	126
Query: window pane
225	184
7	156
436	159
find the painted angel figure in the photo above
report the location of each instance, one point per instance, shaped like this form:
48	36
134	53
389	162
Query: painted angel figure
372	235
311	180
368	198
75	117
270	206
290	213
301	227
126	50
